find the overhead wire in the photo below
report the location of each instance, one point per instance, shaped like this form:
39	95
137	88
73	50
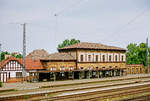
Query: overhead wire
56	15
72	5
131	21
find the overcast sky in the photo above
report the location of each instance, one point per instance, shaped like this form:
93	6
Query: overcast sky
111	22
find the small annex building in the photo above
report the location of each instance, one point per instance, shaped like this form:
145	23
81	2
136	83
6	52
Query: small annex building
11	69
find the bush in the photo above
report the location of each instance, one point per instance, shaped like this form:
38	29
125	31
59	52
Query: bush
0	84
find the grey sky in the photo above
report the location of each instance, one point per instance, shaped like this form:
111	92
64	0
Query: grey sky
100	21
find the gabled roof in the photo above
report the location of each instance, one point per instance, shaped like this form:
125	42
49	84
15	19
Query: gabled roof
3	62
86	45
60	56
31	64
38	54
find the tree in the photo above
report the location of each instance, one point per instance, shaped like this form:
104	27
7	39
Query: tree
3	55
68	42
19	56
136	54
7	53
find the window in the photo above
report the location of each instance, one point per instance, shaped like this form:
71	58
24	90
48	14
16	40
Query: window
116	58
70	68
122	58
62	68
62	74
96	58
89	57
18	74
81	57
110	58
96	68
128	70
81	68
103	57
140	70
133	70
53	68
94	73
136	70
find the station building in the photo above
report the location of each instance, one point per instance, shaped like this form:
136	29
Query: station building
85	60
79	61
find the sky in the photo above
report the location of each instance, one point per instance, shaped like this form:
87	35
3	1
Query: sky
49	22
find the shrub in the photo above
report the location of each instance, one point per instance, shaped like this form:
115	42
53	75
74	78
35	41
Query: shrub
0	84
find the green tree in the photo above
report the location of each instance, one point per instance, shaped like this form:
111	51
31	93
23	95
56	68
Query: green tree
7	53
19	56
3	55
136	54
68	42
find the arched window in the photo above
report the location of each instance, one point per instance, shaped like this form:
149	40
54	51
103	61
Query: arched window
81	57
62	68
96	58
103	58
89	57
53	68
140	70
122	58
116	58
81	68
109	57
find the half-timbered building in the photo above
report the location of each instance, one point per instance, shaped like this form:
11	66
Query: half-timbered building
11	69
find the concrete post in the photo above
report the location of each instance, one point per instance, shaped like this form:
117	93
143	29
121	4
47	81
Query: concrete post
89	74
72	75
120	73
80	75
114	72
54	76
98	73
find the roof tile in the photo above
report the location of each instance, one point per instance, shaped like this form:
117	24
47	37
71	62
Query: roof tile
86	45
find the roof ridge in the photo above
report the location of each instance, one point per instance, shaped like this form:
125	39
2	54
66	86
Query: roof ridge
88	45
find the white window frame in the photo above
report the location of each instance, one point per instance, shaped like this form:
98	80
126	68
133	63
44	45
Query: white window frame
62	68
88	57
80	57
95	57
115	57
124	57
53	68
70	68
110	54
102	57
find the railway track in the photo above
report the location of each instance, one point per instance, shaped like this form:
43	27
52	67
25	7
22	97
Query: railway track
119	94
41	95
101	95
